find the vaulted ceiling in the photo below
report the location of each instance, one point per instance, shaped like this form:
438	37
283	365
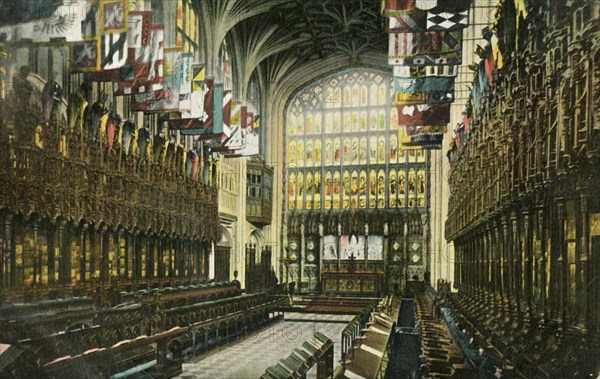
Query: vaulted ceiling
280	37
351	27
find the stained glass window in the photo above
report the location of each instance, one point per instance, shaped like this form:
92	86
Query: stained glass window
344	147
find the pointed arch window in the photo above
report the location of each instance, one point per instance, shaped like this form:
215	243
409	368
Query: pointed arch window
345	147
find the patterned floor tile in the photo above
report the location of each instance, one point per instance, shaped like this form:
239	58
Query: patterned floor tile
249	357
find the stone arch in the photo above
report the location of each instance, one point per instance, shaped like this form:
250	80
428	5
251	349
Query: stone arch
224	250
226	238
257	237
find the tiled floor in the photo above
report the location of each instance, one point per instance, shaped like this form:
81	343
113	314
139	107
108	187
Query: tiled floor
250	357
297	316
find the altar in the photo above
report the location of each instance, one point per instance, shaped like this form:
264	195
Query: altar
366	283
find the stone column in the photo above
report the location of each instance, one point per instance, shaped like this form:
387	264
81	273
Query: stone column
149	256
516	262
470	261
475	274
463	265
138	240
180	258
127	260
52	227
543	260
171	260
36	273
562	261
584	258
491	262
337	243
483	262
194	258
475	259
507	272
82	253
160	267
206	254
302	255
5	271
321	253
118	261
190	259
366	247
479	257
489	290
135	256
457	280
528	264
92	252
104	251
497	261
64	256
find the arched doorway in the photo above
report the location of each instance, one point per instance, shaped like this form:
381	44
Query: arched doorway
252	247
223	256
259	272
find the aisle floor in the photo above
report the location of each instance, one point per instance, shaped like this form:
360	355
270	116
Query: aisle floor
250	357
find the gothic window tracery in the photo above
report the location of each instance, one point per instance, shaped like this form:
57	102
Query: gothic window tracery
343	128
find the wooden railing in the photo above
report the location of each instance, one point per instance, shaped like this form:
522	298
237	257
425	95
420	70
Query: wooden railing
135	320
35	321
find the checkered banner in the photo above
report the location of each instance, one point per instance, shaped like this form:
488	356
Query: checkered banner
447	20
407	45
420	21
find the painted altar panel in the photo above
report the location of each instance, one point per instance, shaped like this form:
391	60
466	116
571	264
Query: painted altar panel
352	246
330	248
375	247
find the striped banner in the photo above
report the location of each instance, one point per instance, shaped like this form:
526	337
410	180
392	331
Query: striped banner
113	50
